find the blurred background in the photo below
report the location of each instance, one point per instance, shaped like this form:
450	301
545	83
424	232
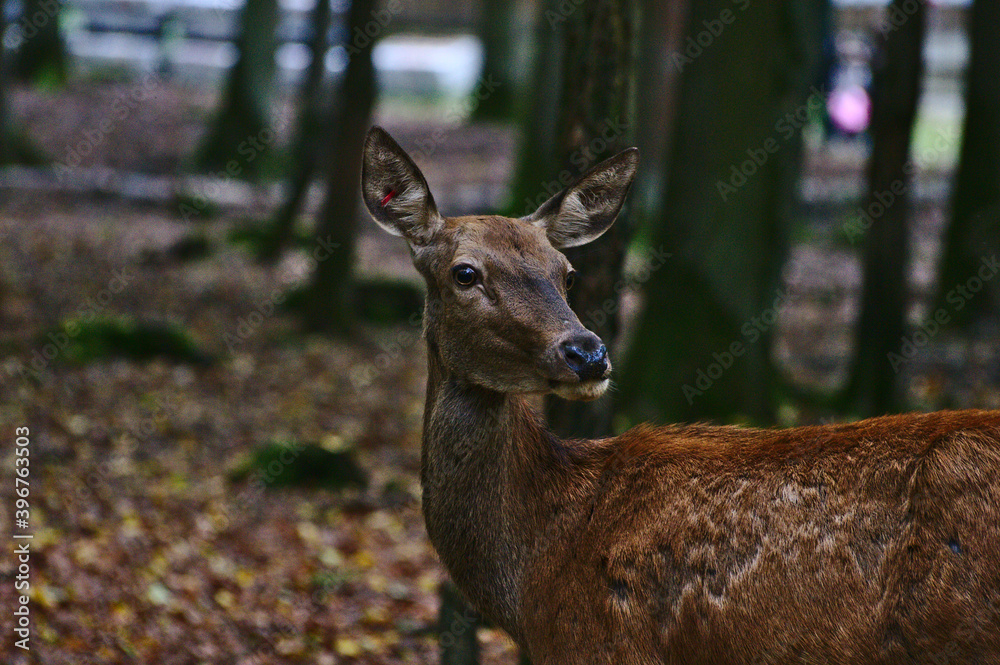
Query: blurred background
218	354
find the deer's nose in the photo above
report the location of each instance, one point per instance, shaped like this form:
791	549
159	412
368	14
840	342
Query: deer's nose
587	356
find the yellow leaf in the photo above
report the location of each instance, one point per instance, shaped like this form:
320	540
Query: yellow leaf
225	598
428	582
335	443
48	596
308	532
123	613
331	558
245	577
376	615
347	647
86	552
363	559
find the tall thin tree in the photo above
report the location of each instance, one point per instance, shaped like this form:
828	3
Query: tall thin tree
41	55
309	137
897	73
244	116
662	30
496	30
329	297
14	145
4	111
581	112
975	203
596	120
537	157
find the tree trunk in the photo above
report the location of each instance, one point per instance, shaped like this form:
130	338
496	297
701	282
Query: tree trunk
537	157
701	348
328	303
897	73
662	32
595	122
580	114
496	30
41	53
309	138
14	145
244	116
5	123
975	208
457	624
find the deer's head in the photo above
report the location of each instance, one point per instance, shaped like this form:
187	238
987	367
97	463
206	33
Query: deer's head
496	307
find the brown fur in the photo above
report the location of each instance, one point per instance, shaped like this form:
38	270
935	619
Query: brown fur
871	543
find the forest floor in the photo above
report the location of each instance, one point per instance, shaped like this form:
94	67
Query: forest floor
145	547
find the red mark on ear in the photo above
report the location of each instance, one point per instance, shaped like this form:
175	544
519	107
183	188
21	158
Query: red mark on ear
388	197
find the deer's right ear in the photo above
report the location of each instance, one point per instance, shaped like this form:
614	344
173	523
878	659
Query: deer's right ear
395	190
588	208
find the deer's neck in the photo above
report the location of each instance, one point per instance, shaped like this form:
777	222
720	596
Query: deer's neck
491	476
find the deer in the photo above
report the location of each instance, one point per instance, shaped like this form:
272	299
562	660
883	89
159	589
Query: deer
875	542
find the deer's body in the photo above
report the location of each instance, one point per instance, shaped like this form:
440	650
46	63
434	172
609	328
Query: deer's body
876	542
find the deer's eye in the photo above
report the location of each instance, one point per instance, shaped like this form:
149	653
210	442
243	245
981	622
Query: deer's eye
570	279
464	275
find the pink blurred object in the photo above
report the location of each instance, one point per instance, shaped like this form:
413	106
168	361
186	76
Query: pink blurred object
850	109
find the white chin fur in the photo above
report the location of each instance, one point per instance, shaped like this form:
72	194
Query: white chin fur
584	391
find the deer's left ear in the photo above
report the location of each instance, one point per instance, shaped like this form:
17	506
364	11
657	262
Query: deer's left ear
395	191
583	211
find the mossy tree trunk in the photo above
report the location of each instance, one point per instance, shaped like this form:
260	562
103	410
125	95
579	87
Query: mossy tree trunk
41	54
243	121
975	208
898	70
310	137
702	344
328	304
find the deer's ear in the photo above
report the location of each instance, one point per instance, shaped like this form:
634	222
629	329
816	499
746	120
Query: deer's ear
395	190
588	208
